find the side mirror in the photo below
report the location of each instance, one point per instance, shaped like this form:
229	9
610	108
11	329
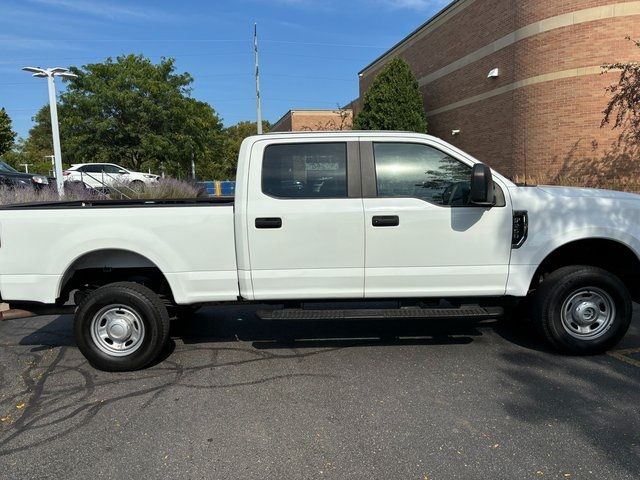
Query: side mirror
482	190
122	172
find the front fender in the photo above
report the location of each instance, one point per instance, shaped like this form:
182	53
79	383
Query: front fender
526	260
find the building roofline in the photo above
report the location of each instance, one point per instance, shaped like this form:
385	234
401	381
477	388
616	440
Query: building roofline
411	35
314	110
281	119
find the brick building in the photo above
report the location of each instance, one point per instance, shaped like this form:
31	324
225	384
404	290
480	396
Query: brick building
543	106
314	120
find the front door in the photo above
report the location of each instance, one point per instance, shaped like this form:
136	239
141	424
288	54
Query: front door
305	220
423	237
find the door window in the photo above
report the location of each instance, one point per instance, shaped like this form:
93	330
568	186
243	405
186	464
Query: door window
110	169
92	168
305	170
421	171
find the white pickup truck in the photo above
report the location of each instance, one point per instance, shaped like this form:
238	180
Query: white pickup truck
345	217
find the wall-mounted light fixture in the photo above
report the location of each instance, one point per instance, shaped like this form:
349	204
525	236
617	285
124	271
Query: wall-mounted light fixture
455	132
495	73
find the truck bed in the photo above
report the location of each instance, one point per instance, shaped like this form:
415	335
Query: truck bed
190	241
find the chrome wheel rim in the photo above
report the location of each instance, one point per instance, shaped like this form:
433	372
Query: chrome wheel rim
588	313
117	330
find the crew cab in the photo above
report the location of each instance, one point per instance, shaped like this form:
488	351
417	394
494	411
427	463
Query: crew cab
343	219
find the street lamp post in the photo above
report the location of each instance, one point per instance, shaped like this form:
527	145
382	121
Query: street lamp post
50	74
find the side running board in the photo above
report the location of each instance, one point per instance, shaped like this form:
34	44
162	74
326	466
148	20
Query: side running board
371	314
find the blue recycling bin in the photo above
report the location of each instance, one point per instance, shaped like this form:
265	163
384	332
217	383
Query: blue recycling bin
210	188
228	188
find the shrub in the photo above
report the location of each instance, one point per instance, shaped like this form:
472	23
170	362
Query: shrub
17	195
622	184
164	189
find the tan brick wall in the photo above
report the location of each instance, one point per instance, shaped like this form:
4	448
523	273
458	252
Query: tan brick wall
486	130
314	120
555	125
530	11
573	47
479	24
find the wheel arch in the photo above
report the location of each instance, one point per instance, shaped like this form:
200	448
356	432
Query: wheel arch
607	253
106	265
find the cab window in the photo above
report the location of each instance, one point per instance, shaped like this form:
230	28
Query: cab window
305	170
421	171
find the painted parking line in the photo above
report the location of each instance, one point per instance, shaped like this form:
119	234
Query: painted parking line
624	356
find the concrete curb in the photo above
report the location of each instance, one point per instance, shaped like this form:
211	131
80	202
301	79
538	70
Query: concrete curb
13	314
7	313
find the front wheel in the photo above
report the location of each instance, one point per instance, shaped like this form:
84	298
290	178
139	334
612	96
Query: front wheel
121	327
582	309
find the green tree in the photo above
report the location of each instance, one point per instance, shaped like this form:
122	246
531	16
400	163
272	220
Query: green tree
393	101
233	137
7	135
135	113
37	161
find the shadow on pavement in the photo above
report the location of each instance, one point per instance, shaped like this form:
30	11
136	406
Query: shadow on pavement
233	323
597	396
229	348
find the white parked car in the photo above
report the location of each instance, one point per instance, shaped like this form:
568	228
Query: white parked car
100	175
345	219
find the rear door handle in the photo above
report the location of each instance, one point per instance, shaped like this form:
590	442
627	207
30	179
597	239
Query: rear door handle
269	222
385	221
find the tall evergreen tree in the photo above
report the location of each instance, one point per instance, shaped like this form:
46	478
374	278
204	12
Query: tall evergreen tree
7	135
393	101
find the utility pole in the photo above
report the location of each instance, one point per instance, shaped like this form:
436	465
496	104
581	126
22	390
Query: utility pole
50	74
258	99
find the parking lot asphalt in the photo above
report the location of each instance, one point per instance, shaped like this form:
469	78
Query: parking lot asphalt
237	397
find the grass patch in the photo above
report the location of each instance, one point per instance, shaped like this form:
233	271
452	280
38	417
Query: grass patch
163	189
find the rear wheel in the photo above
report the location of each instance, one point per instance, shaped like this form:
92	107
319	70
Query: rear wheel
121	327
582	309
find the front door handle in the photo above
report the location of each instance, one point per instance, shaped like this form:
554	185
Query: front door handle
385	221
269	222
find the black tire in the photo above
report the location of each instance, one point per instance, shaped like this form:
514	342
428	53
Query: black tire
138	299
565	284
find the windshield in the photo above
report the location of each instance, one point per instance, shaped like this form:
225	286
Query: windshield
4	168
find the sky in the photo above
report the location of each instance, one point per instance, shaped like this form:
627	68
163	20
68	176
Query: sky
310	50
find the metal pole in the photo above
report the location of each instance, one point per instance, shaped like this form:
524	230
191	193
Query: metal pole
56	134
193	166
258	100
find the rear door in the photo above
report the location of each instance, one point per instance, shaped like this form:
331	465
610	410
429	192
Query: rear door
91	175
423	237
305	219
